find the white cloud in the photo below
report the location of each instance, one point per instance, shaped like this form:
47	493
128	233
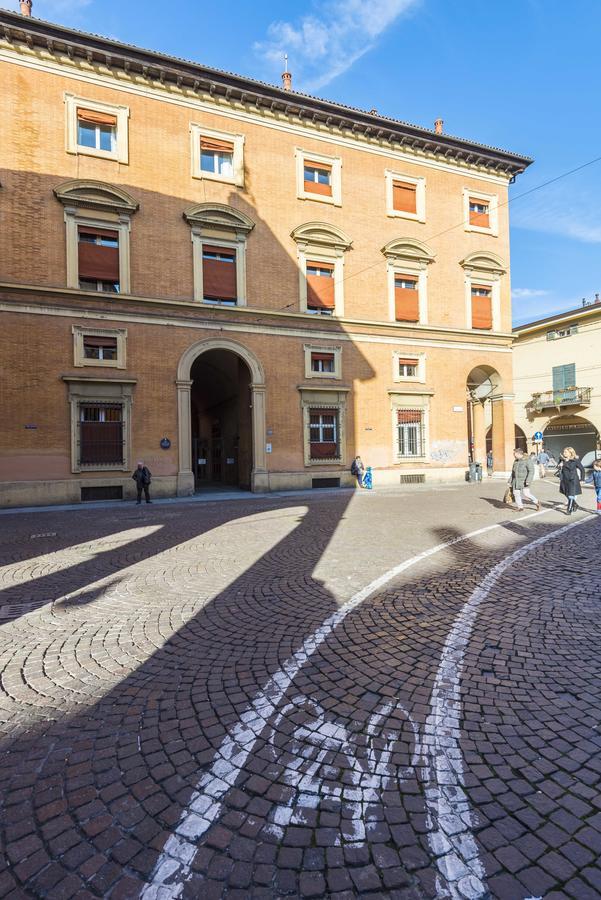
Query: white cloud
527	293
323	45
565	209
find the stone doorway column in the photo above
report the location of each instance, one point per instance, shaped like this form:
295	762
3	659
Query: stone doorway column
259	480
503	432
185	476
479	435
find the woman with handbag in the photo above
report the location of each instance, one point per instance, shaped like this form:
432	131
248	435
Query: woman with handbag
572	473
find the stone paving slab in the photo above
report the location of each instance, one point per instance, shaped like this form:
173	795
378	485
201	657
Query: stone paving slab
135	652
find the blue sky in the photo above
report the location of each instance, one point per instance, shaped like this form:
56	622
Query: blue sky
519	74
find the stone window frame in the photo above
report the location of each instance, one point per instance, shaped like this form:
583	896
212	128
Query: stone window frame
219	226
315	397
400	399
486	269
237	139
96	204
321	242
411	257
84	389
308	349
82	331
301	156
121	152
493	212
420	196
419	378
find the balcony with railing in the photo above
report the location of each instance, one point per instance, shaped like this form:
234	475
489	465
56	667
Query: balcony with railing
572	396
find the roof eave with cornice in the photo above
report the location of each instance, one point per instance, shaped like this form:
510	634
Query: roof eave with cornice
15	28
579	313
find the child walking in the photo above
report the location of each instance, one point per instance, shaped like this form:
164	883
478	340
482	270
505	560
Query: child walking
597	482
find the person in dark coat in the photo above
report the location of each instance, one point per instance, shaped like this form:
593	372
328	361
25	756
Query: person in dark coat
142	477
572	473
522	476
358	470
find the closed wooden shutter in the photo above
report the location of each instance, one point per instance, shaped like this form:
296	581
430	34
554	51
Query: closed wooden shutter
91	340
481	219
406	361
97	262
92	117
323	357
216	146
404	197
481	307
564	377
315	187
406	300
320	288
101	435
219	273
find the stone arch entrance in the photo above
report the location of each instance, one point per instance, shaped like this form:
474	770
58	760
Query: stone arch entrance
570	431
486	400
211	375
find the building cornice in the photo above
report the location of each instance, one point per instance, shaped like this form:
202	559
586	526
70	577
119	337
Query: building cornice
125	61
208	313
582	312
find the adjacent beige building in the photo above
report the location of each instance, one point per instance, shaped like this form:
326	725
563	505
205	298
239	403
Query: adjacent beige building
557	379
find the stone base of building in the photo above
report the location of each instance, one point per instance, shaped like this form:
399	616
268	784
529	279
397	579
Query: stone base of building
81	490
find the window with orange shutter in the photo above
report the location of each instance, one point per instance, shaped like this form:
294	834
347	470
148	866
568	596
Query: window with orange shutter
98	259
322	362
481	306
479	213
404	197
320	287
407	367
219	274
318	178
96	130
406	298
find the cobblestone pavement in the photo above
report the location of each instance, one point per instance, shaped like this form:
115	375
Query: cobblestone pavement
215	700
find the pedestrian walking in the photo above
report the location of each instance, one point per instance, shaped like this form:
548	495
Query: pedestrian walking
142	476
597	482
489	463
358	470
522	475
543	459
572	473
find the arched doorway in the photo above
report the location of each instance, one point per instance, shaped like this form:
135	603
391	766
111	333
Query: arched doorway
486	401
221	410
570	431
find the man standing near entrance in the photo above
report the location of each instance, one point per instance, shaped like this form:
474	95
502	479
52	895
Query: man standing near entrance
142	478
543	460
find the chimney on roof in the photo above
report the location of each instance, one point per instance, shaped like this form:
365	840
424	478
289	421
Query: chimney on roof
286	75
438	125
596	298
26	7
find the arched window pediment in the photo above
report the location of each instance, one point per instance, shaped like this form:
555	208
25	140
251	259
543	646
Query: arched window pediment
88	194
321	234
484	261
218	215
408	249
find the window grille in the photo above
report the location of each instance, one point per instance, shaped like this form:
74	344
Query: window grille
101	434
411	438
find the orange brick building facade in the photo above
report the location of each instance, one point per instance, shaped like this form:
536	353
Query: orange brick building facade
236	283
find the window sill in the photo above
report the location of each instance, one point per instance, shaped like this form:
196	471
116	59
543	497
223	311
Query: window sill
480	230
399	214
99	154
330	461
222	179
319	198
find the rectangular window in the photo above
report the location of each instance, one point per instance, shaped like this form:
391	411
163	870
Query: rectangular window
96	130
217	157
479	213
481	306
320	287
562	332
323	433
410	433
404	197
406	298
322	362
564	377
100	434
98	259
407	368
219	278
101	348
318	178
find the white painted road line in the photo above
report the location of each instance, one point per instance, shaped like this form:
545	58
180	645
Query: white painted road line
173	865
461	871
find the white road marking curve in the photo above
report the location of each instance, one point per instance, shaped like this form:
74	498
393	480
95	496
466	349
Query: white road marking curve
174	863
461	871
